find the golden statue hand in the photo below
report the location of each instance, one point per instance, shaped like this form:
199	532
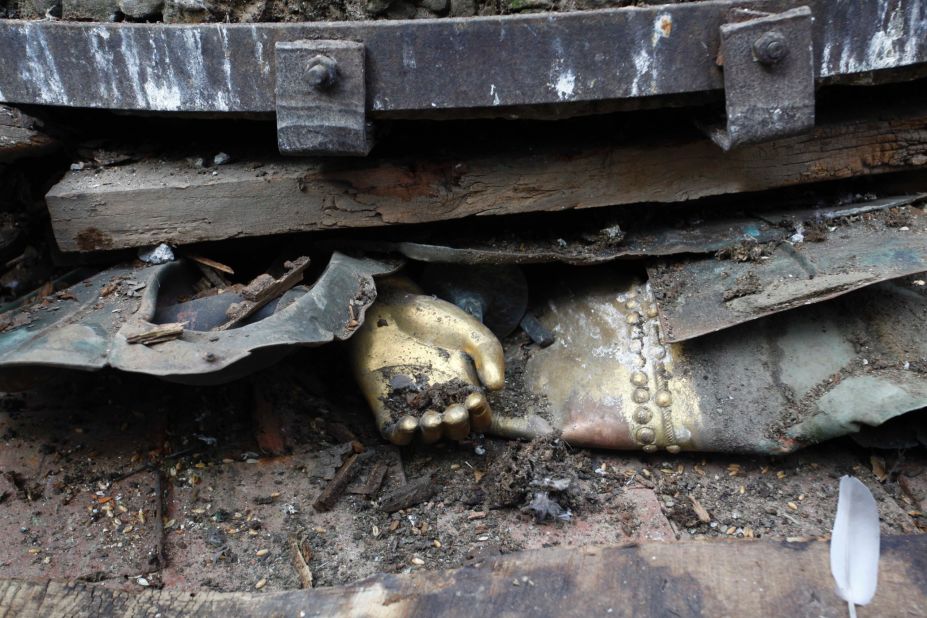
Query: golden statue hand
422	363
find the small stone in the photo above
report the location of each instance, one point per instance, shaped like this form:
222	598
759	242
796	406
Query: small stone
261	553
436	6
221	159
140	9
261	583
463	8
417	561
376	7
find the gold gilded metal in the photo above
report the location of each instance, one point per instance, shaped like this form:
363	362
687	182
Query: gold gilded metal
456	422
643	415
426	342
598	399
480	413
430	425
663	399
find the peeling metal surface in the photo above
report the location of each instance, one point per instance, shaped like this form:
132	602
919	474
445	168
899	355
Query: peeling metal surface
494	62
88	332
770	386
704	295
596	240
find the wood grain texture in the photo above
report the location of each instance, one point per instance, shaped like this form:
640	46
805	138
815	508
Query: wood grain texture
739	578
21	136
160	201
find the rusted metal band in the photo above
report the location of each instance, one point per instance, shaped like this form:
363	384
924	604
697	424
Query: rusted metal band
439	64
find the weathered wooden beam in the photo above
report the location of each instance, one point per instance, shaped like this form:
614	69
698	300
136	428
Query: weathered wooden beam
156	201
20	135
739	578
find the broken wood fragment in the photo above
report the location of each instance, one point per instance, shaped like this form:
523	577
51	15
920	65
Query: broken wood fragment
336	486
158	334
21	135
205	261
410	494
263	290
340	432
373	482
300	562
700	511
268	424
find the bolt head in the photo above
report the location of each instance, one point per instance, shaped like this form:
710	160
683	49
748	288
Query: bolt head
322	72
771	48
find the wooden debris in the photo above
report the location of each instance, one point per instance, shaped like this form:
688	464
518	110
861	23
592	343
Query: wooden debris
21	135
373	482
264	289
700	511
158	334
158	201
267	422
205	261
336	486
340	432
712	578
213	277
878	468
412	493
301	555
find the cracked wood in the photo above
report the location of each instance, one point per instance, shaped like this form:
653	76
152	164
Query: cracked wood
160	201
716	578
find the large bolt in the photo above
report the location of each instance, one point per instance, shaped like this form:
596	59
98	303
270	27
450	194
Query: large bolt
322	72
770	48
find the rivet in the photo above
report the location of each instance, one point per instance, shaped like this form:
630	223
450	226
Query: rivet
639	378
643	415
209	357
640	395
650	448
652	311
673	448
659	352
632	305
646	435
634	317
663	399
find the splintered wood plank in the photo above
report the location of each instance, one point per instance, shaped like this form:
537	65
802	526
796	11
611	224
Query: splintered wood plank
739	578
160	201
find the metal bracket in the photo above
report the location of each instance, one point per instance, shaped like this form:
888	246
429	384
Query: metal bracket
321	98
768	78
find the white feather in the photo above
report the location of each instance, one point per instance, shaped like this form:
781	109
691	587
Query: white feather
854	544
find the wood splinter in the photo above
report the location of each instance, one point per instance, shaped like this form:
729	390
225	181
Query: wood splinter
298	553
159	333
336	486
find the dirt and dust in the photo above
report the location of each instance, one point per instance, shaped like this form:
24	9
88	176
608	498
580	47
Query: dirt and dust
87	457
744	285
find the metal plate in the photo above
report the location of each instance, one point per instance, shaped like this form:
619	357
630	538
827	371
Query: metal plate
87	330
768	78
437	64
700	296
321	98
